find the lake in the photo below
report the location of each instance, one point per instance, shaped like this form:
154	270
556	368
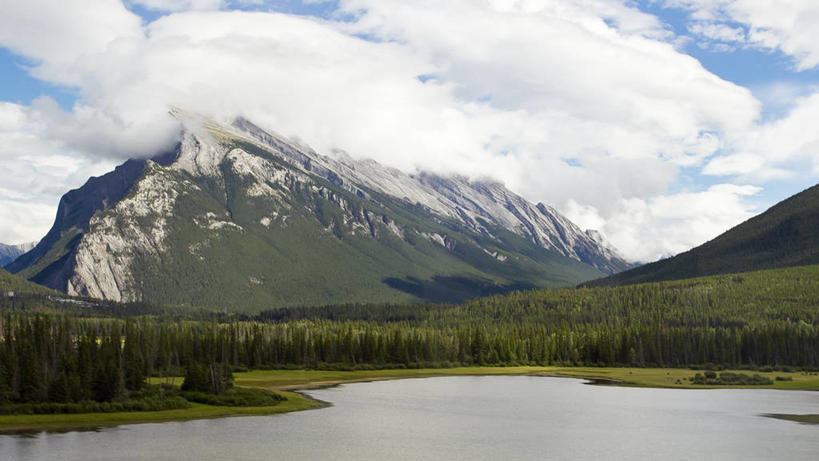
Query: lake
468	418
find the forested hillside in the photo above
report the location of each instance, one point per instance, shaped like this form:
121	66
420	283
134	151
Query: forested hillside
768	318
10	283
785	235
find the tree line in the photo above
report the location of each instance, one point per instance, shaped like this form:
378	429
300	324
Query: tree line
62	359
50	353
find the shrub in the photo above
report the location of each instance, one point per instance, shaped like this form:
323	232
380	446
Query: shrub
730	379
90	406
237	397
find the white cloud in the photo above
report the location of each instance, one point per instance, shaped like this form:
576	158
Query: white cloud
491	88
719	32
776	150
36	172
788	26
178	5
647	229
59	35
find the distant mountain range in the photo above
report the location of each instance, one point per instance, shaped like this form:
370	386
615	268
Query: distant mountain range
239	218
9	253
785	235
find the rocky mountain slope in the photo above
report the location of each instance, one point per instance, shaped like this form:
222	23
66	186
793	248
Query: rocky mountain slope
785	235
9	253
240	218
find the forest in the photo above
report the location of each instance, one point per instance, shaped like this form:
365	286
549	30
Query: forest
70	352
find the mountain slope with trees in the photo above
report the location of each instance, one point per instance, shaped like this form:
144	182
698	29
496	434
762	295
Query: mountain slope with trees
59	354
241	219
785	235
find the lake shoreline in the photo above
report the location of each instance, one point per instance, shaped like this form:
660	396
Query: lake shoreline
293	383
29	424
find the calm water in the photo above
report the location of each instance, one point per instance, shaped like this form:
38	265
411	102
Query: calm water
469	418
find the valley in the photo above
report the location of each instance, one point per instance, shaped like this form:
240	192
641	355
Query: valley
468	230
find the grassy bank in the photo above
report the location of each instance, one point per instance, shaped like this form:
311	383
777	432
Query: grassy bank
22	423
678	378
311	379
803	419
286	381
637	377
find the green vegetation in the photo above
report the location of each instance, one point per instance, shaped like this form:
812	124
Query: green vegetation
299	379
237	397
11	284
764	323
309	241
21	423
730	379
284	381
312	253
803	419
57	365
681	378
639	377
785	235
768	318
172	402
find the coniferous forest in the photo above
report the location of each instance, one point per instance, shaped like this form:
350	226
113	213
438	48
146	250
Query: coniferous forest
76	352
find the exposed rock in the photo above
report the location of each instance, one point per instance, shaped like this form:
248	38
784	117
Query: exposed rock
238	181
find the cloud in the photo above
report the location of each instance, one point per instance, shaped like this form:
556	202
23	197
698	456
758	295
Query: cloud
778	150
178	5
647	229
717	31
58	37
790	27
36	172
507	90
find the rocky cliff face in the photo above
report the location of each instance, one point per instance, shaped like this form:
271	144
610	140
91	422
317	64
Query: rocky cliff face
238	217
458	198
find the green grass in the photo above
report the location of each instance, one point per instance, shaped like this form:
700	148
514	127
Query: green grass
307	379
678	378
803	419
638	377
22	423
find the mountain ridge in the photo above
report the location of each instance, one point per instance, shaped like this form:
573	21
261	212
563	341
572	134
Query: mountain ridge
8	253
234	205
466	195
785	235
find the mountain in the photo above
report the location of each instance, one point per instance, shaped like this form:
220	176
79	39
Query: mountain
785	235
18	285
241	218
9	253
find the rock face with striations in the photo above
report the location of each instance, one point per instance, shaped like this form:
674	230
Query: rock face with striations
242	219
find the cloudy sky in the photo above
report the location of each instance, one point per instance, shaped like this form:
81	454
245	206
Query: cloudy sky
662	123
